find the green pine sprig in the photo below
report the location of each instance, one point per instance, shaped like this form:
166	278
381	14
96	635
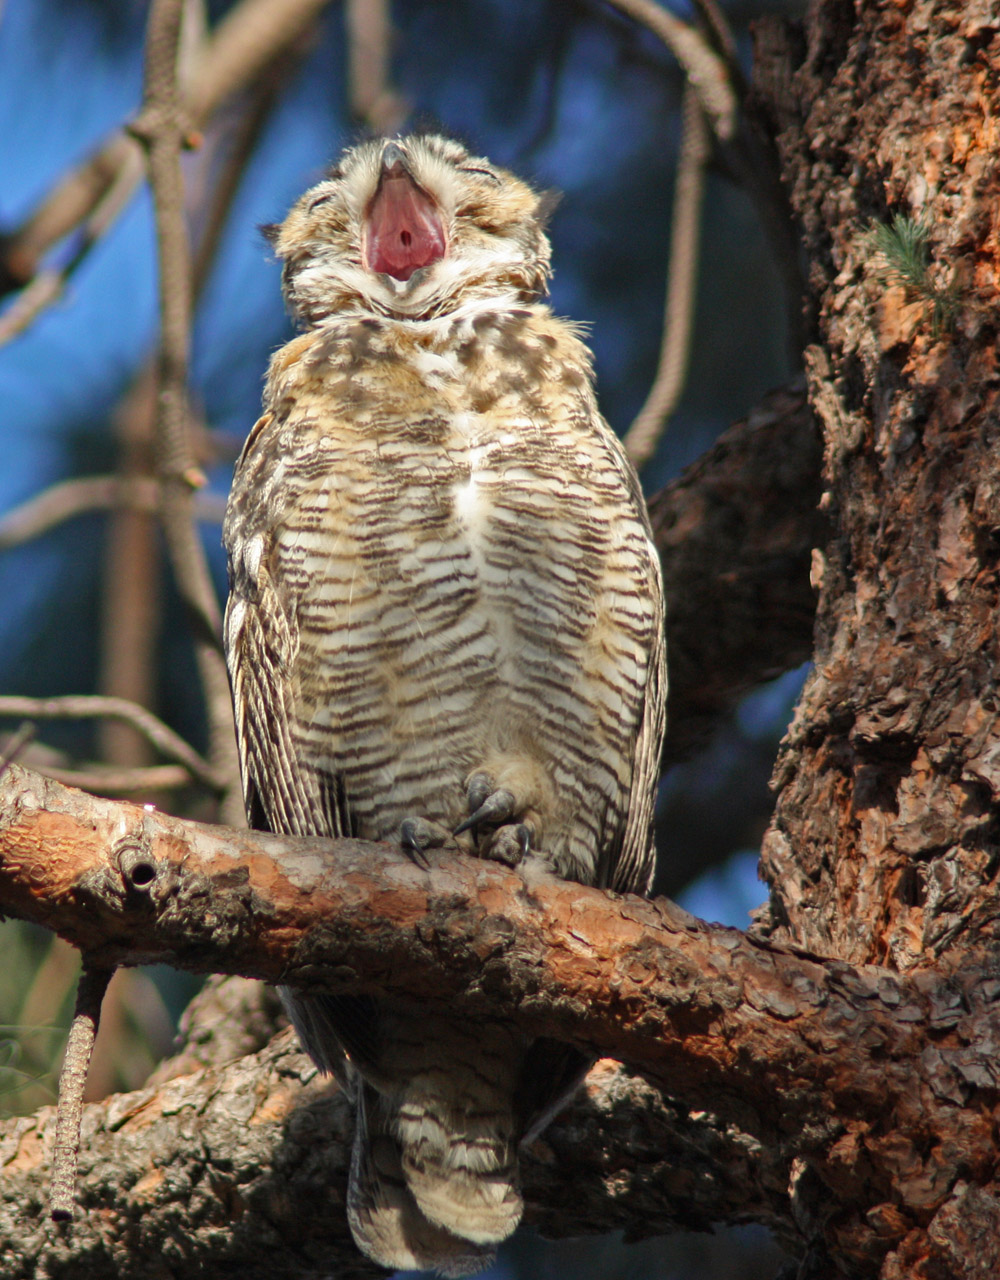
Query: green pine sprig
904	248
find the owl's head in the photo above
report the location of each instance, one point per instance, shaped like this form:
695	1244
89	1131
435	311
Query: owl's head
413	227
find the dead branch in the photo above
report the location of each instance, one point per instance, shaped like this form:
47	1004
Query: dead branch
85	494
105	189
374	101
86	706
705	70
14	747
735	533
120	780
72	1081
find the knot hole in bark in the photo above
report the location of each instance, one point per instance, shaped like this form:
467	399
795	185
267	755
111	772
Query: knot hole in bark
138	868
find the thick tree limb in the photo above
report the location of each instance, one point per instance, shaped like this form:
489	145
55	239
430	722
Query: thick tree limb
882	1089
735	533
251	1157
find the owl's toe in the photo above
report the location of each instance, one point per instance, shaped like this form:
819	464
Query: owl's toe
509	845
494	810
418	834
478	789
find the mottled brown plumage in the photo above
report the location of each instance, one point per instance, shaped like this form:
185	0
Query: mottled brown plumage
445	627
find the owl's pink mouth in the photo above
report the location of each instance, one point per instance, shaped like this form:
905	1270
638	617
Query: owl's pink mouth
403	228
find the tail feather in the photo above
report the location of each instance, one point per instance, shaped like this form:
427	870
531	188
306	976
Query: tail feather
386	1222
455	1124
459	1157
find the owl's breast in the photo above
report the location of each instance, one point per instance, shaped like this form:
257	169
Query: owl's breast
461	556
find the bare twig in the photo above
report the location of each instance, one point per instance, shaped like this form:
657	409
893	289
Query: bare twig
704	68
13	747
718	28
682	279
72	1081
374	101
86	706
61	502
163	127
111	780
47	286
239	142
240	49
71	498
71	200
742	147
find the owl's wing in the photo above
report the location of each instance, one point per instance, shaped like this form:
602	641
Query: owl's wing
631	860
282	792
633	872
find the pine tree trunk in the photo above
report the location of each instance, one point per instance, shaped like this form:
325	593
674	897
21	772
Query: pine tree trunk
885	845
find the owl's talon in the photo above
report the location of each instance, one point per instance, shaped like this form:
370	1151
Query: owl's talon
498	807
478	789
418	834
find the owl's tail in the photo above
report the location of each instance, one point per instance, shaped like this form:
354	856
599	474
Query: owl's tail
434	1174
386	1220
434	1171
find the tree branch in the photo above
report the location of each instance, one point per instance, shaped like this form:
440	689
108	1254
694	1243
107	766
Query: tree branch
735	533
644	434
884	1088
374	101
86	706
260	1189
705	69
81	496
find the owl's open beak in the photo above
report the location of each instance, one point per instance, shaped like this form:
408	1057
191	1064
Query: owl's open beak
403	227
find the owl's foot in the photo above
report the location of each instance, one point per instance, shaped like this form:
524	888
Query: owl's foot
491	809
418	834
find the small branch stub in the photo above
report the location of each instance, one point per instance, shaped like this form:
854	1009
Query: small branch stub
138	868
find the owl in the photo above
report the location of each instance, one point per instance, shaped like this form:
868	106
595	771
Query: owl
444	629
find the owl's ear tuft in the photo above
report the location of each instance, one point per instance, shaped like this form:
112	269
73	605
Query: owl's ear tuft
270	231
546	207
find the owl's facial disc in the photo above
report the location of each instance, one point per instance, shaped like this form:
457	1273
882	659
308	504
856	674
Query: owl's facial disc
403	227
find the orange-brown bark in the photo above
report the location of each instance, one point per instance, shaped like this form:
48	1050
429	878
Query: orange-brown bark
881	1086
885	844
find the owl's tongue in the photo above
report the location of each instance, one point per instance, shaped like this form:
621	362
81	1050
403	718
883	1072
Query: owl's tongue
404	227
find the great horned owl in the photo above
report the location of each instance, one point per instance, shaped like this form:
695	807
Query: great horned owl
445	628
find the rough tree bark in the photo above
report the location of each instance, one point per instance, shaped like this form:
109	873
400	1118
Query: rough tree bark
885	843
835	1075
